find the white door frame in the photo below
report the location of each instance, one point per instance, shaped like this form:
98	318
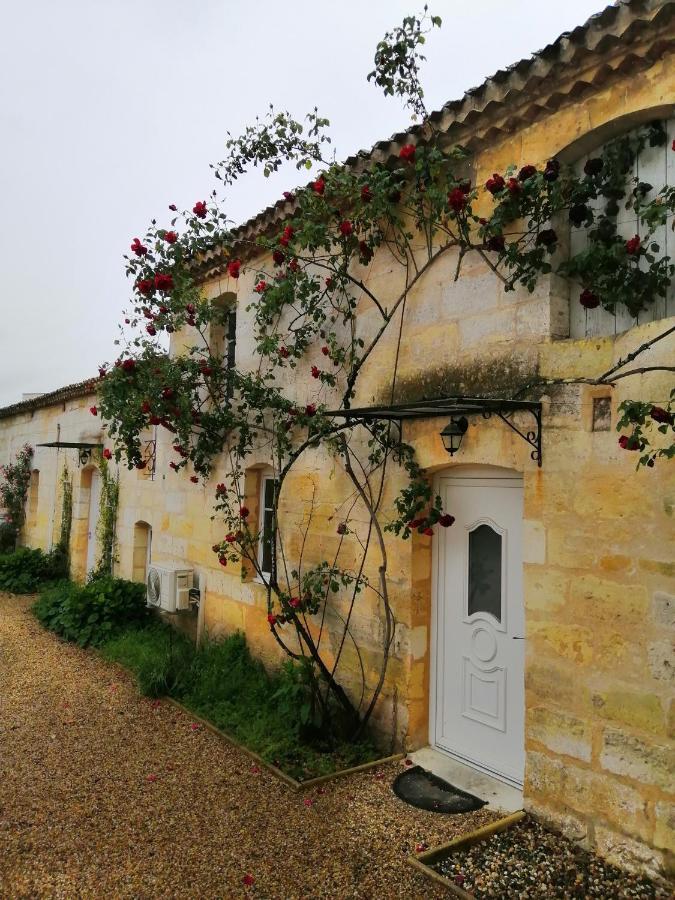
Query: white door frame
478	475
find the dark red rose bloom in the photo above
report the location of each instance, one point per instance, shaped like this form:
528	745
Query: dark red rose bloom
147	313
170	237
129	365
164	282
496	243
365	252
319	186
278	256
633	246
284	352
289	231
294	602
428	531
578	214
260	287
152	331
222	560
167	393
190	309
366	194
465	187
457	199
101	372
243	512
155	420
221	490
446	520
145	407
141	464
164	309
174	466
629	443
230	538
495	184
407	153
588	299
284	240
310	410
661	415
107	454
325	351
144	286
233	268
527	172
294	265
672	146
552	170
93	410
547	237
173	207
346	228
272	619
342	528
315	372
513	186
138	248
287	195
199	209
593	166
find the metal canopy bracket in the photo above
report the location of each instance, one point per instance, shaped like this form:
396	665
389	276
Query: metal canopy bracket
456	406
84	449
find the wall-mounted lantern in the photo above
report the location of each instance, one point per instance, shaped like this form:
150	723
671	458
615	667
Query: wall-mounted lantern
453	433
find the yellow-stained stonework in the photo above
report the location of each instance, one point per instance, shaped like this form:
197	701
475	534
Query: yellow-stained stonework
599	572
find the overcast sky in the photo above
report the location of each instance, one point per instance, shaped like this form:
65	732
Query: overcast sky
112	109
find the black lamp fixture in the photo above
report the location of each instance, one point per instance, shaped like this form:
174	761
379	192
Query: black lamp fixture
453	433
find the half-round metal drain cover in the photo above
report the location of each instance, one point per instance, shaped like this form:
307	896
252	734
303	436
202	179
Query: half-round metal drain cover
423	789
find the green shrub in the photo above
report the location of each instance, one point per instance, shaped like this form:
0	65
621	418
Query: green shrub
25	570
7	538
92	613
158	656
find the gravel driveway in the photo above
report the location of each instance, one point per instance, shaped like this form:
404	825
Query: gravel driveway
105	794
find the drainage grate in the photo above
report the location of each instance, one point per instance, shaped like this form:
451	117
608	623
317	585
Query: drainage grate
423	789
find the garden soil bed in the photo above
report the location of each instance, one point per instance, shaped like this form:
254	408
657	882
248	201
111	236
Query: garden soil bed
520	858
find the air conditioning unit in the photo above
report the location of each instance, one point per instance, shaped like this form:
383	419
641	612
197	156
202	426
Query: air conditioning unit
169	586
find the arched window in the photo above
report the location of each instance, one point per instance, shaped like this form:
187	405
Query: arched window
654	166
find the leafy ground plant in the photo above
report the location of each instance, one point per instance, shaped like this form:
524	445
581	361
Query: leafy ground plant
26	570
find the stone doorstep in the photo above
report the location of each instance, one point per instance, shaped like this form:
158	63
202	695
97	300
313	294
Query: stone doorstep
498	794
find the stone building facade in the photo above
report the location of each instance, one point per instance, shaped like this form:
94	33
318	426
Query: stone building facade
580	706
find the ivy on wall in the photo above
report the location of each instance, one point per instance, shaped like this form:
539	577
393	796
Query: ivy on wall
66	512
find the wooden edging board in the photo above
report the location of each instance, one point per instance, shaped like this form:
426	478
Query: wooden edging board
421	861
291	782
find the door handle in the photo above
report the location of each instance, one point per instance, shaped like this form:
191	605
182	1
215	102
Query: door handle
517	638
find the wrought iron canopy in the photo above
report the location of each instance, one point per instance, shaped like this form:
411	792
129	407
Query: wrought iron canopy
84	449
452	407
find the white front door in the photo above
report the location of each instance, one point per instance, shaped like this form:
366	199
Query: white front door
478	692
94	504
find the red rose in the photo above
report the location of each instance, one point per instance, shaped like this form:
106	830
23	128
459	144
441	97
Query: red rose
310	410
342	528
93	410
294	265
287	195
330	284
346	228
101	372
199	209
230	538
294	602
513	186
152	331
315	372
221	490
144	286
526	172
588	299
260	287
141	464
243	512
194	479
222	560
495	184
284	352
190	309
174	466
457	199
407	153
428	531
552	170
147	313
283	240
366	194
167	392
107	454
633	245
272	619
129	365
278	256
289	231
319	186
233	268
170	237
629	443
446	520
248	879
164	282
325	351
661	415
138	248
173	207
496	243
